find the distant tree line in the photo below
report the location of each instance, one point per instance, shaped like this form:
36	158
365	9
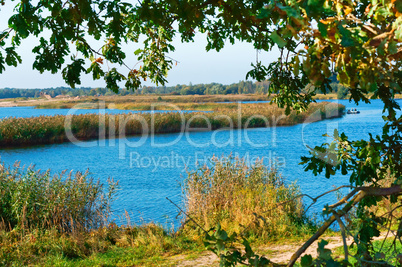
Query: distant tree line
243	87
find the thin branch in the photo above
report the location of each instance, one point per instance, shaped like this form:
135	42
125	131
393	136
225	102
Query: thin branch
364	192
389	230
345	244
356	199
185	213
344	199
9	31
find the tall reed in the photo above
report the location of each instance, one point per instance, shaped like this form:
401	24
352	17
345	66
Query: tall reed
34	199
254	200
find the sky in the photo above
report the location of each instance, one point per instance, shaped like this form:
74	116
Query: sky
230	65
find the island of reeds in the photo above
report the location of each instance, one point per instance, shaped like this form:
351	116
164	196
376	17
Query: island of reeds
210	116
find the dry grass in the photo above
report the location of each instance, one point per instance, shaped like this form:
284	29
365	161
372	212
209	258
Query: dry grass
138	99
249	199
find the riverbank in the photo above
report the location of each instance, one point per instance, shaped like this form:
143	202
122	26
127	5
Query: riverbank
57	129
244	200
76	230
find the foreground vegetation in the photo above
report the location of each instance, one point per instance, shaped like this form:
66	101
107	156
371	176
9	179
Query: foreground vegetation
56	129
61	220
66	220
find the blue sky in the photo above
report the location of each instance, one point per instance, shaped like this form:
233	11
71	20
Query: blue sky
228	66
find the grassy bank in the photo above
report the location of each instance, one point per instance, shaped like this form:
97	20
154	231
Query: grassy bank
57	129
74	240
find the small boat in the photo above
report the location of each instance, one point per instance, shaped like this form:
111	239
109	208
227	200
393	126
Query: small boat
353	111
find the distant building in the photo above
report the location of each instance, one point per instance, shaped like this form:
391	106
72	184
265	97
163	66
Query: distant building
42	94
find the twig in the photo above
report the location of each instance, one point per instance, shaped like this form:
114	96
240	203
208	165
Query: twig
345	244
185	213
343	200
9	31
364	192
357	198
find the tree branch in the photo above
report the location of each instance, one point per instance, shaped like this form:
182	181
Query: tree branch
9	31
345	244
364	192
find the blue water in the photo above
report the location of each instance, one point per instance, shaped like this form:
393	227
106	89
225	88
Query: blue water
25	112
151	168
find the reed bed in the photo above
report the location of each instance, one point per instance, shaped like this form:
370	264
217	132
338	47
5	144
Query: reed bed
35	199
57	129
56	220
252	200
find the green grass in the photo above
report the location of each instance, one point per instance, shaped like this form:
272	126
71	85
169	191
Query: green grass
124	246
384	249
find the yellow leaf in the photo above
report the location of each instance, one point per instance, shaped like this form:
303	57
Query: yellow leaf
328	20
348	10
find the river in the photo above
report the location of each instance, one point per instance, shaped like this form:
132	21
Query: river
151	168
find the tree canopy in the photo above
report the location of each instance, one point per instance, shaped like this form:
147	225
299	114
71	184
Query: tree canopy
359	40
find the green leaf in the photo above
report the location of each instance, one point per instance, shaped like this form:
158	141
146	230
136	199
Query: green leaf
222	235
289	11
112	78
323	29
381	48
393	47
398	28
323	253
346	40
71	73
138	51
277	39
336	134
263	13
398	6
307	261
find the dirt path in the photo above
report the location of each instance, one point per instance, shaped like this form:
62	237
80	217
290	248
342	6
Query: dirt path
275	253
